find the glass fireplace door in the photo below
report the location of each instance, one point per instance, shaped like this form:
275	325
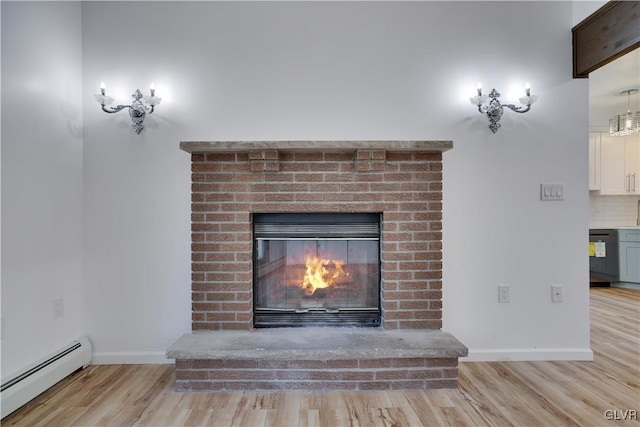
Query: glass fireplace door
321	272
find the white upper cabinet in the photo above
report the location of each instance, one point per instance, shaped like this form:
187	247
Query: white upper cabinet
632	164
619	164
594	161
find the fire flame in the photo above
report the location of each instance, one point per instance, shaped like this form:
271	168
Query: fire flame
321	273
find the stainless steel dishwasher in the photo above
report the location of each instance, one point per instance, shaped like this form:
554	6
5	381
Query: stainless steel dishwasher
605	267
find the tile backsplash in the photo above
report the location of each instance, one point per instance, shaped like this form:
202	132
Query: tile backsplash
612	211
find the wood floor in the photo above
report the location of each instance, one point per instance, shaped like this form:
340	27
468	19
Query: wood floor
490	394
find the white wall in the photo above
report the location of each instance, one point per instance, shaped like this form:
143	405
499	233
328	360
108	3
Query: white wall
41	179
303	70
583	8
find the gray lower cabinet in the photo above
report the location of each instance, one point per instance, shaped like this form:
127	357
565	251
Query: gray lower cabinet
629	255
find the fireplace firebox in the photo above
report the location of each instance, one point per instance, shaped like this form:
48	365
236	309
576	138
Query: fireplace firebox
316	269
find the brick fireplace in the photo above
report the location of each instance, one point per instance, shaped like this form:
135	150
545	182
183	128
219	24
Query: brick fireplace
232	181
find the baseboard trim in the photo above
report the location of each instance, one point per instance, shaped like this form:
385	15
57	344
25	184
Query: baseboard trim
131	358
626	285
529	355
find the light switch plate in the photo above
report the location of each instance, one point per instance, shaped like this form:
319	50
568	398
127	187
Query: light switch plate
551	192
504	293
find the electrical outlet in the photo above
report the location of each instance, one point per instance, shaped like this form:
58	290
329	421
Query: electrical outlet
58	308
556	293
503	293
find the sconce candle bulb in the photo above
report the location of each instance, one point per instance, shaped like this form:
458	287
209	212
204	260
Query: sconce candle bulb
138	109
494	109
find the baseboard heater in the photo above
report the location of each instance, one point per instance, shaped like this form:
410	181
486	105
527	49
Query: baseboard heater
38	377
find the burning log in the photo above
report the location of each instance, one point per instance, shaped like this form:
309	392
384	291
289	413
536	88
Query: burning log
321	274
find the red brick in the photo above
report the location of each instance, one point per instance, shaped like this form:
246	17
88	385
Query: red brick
307	364
273	364
413	305
363	154
389	305
183	364
435	305
409	362
390	324
450	373
237	326
309	197
400	156
236	306
392	374
427	275
192	375
241	385
204	326
207	364
443	362
425	373
308	157
338	157
398	315
363	166
374	385
219	316
375	363
341	364
273	385
279	197
218	257
205	306
420	324
324	167
256	374
241	363
358	375
324	375
244	317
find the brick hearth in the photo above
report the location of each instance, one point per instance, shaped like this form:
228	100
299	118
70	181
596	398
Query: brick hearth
317	359
402	180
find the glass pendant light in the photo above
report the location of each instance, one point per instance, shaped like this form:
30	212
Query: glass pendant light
628	123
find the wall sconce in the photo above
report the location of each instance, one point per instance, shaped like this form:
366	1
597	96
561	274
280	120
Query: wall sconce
139	108
493	109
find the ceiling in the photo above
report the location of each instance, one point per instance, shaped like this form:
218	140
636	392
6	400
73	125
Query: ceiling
605	85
